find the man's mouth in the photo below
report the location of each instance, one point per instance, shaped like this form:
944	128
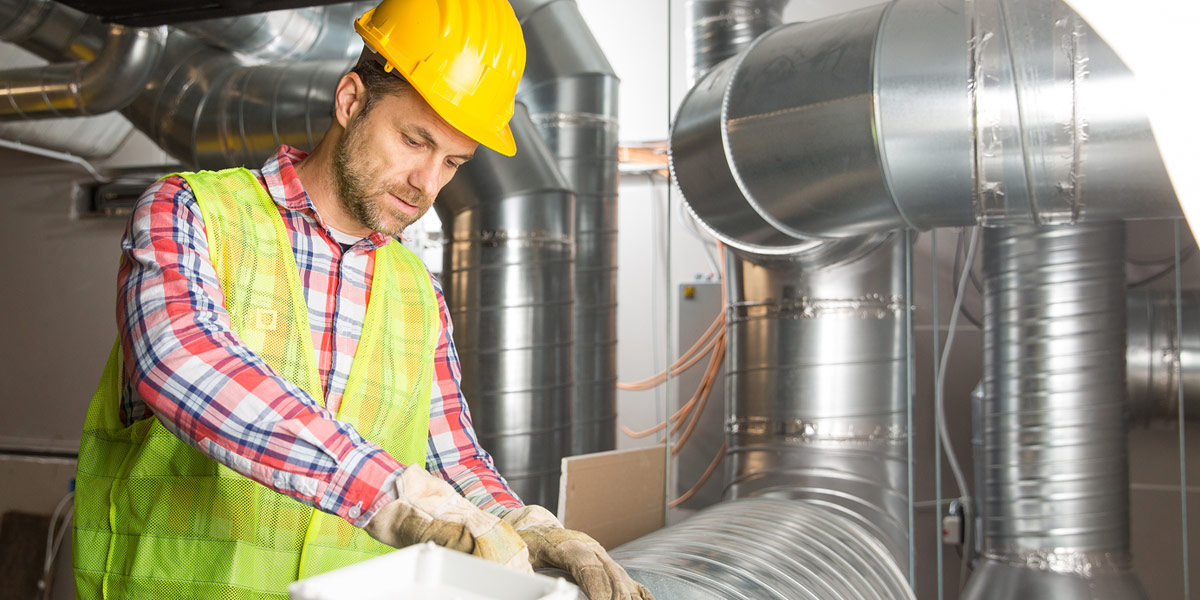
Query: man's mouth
404	205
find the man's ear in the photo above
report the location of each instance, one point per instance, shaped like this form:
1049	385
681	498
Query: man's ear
349	98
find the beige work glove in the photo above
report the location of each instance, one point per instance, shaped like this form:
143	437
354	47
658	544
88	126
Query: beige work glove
428	509
551	545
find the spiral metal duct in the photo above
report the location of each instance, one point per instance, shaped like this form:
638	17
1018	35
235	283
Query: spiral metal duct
914	114
1055	500
764	549
304	33
507	276
1154	343
816	383
571	92
721	28
110	82
51	30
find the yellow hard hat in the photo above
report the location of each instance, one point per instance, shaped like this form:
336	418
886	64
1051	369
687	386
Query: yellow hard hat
465	57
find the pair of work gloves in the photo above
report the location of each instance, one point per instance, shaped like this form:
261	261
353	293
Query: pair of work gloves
429	510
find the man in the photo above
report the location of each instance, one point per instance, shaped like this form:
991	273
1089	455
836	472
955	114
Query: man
279	350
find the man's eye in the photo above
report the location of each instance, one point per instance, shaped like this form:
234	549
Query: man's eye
412	142
452	164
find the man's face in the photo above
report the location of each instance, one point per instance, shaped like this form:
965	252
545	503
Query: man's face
393	159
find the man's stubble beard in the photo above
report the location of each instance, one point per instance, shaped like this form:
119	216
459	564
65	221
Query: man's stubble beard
357	191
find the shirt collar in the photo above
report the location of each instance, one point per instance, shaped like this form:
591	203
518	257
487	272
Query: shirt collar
285	188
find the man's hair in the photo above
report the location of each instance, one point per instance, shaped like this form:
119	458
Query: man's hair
376	80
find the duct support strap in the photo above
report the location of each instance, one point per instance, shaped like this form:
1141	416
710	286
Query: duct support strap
1153	348
764	549
571	92
1055	499
507	277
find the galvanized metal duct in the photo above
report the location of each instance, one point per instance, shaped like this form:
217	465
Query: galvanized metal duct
109	82
764	549
571	92
315	33
507	275
1151	355
816	382
1055	500
51	30
719	29
914	114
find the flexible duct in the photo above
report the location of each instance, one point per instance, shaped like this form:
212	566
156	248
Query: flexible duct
301	34
1155	348
571	92
764	549
507	276
1055	500
119	72
914	114
817	372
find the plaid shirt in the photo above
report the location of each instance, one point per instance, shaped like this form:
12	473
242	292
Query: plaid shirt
184	365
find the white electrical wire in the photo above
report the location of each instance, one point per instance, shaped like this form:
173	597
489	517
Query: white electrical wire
54	540
943	430
63	156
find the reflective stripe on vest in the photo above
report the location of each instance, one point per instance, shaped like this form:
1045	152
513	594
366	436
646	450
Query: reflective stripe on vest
155	518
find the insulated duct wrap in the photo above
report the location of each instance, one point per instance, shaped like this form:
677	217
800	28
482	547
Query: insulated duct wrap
817	373
914	114
1055	499
571	92
1155	349
764	549
507	278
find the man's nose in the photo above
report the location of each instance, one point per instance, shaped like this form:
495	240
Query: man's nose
427	177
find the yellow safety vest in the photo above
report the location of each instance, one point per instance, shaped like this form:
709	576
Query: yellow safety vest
155	518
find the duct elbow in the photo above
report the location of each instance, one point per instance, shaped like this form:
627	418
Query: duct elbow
110	82
120	73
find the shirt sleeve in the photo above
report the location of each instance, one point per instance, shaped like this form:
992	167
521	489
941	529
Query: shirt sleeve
185	365
454	451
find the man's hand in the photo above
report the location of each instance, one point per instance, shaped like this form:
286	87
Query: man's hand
550	545
430	510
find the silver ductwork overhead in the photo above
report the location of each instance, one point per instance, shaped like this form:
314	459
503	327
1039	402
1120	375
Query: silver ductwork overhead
1160	357
507	275
817	397
912	114
111	81
1055	497
764	549
571	92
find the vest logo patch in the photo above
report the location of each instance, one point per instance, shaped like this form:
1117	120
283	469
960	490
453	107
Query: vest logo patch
266	319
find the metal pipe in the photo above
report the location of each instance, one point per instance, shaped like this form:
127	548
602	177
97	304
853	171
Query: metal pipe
571	92
110	82
1055	500
51	30
508	282
917	114
764	549
315	33
817	383
1150	356
719	29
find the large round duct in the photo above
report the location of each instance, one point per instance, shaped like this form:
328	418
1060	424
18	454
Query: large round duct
764	549
1055	497
917	114
507	278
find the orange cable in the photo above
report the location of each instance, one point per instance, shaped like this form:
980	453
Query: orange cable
703	478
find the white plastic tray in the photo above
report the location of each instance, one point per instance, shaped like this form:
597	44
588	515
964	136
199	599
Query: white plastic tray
430	572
